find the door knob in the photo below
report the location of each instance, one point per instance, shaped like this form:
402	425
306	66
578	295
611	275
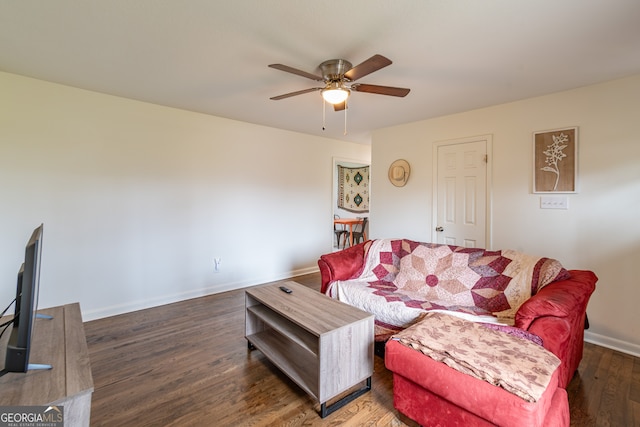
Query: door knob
439	229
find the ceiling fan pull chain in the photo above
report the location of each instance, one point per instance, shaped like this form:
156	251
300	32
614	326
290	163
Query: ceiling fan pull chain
324	107
345	116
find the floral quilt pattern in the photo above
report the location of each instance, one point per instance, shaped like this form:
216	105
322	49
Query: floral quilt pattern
428	276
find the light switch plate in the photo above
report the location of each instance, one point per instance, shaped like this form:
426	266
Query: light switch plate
554	202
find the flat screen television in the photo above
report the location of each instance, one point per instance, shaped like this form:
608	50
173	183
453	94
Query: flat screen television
26	305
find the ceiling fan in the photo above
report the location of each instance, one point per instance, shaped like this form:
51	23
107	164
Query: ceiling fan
338	75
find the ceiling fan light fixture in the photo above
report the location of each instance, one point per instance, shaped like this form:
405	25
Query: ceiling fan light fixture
335	93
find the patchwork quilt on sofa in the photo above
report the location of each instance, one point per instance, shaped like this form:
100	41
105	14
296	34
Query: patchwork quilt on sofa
401	280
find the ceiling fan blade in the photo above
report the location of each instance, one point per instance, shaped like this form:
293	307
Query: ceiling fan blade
299	92
296	71
380	90
341	106
372	64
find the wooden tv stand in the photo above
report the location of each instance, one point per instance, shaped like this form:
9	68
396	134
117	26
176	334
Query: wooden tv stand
59	342
323	345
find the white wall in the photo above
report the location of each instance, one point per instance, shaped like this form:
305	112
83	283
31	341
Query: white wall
599	232
137	199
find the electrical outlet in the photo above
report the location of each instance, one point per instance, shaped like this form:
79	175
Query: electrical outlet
554	202
216	264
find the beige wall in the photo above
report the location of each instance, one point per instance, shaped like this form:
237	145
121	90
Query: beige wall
601	229
138	199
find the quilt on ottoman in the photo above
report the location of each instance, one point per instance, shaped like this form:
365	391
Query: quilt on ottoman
515	364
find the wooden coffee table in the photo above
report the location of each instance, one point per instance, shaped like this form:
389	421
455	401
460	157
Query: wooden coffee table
323	345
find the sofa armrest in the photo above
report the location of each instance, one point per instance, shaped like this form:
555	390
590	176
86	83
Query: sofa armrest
563	338
557	314
564	298
555	333
342	265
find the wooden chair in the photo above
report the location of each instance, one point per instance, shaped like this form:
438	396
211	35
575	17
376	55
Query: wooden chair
359	231
340	231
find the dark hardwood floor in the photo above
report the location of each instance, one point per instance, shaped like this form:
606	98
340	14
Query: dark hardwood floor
187	364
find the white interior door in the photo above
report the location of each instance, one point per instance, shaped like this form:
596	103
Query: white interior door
461	192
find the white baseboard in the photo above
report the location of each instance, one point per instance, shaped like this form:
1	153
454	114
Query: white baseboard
115	310
612	343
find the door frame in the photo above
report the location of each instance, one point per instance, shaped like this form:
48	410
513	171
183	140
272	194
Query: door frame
488	139
334	181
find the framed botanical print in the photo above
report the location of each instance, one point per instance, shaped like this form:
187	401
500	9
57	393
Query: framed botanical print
555	161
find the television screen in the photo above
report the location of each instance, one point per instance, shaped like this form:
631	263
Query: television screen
27	289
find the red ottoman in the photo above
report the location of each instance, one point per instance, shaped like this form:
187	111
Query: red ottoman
433	394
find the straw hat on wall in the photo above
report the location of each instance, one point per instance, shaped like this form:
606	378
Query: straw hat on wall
399	172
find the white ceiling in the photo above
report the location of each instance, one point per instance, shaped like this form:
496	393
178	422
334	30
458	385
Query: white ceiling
211	56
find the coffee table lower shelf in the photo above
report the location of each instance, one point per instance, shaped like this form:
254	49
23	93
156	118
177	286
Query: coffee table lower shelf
324	408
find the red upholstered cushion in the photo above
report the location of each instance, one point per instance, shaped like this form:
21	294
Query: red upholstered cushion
347	263
459	396
429	409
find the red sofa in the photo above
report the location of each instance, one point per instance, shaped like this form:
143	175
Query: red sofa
431	393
